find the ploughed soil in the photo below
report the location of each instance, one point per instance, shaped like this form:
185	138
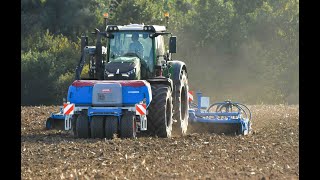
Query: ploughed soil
270	152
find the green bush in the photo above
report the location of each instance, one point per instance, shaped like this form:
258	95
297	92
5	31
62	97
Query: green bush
46	67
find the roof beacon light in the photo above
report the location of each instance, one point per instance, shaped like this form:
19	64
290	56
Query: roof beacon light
105	15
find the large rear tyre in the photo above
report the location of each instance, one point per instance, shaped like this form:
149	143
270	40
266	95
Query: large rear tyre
96	126
111	126
82	126
128	125
181	106
160	111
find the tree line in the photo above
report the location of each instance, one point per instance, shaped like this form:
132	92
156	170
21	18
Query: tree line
241	50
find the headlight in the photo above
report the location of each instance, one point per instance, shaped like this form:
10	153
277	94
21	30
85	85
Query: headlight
131	71
109	74
106	72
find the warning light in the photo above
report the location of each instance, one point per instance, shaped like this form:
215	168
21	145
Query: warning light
166	14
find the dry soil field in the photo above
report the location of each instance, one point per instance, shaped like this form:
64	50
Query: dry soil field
271	152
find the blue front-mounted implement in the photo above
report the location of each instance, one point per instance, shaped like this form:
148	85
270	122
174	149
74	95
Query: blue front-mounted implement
104	108
56	120
224	117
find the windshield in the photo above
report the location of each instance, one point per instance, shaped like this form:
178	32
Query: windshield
131	43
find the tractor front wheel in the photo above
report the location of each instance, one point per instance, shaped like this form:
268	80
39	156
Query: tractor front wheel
181	106
160	111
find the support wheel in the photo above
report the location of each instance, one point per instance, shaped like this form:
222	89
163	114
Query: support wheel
96	126
111	126
128	125
49	123
82	126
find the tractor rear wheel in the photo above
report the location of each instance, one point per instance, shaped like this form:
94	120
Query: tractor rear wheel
128	125
82	126
111	126
181	107
96	126
160	111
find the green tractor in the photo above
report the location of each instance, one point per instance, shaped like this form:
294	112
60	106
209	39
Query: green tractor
138	52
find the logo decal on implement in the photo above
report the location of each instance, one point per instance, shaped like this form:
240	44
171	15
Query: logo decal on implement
68	109
106	90
133	92
141	109
190	95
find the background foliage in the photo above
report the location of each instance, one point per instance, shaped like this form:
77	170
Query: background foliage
241	50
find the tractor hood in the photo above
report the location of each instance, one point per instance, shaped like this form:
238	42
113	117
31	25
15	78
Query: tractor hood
123	68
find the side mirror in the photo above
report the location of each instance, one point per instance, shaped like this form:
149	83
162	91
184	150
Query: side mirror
84	42
173	44
110	36
96	30
168	56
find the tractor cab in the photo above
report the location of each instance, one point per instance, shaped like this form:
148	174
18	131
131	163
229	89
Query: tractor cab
131	52
134	51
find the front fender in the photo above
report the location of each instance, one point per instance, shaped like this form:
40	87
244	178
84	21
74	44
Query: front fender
175	68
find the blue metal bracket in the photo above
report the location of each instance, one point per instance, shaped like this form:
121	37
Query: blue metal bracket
96	111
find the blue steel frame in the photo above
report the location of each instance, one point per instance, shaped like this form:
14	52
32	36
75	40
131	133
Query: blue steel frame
94	111
58	116
195	115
